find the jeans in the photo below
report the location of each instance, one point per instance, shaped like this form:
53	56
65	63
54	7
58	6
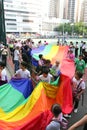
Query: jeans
16	64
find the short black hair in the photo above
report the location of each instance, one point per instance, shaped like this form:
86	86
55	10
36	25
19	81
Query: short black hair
80	74
56	109
24	64
47	61
80	55
45	70
40	56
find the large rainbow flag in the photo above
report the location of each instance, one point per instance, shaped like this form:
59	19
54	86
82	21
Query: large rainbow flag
24	109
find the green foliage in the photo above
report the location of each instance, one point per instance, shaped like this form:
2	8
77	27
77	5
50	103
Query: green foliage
76	28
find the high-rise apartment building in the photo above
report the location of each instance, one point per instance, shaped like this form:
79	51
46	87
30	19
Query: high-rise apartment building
56	8
65	11
71	10
78	10
85	11
23	16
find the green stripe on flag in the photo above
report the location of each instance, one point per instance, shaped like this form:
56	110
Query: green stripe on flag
44	52
10	98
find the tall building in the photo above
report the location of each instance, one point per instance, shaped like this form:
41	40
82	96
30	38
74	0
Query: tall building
71	10
23	16
82	11
65	11
56	8
85	11
78	10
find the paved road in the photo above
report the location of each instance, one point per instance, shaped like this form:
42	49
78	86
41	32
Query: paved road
82	110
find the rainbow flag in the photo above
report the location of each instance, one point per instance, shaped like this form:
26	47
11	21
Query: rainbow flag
51	52
21	111
24	109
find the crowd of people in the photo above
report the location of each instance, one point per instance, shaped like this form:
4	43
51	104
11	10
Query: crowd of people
46	72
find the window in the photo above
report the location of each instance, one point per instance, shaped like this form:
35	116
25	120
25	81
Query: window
11	24
30	21
10	19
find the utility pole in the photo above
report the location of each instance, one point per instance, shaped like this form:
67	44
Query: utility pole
2	23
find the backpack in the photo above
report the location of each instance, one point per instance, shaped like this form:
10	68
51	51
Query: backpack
77	90
63	123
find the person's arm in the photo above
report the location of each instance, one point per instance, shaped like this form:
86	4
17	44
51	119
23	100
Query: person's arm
79	123
29	76
79	94
17	74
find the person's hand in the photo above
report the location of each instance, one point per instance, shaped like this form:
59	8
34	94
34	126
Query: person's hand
78	97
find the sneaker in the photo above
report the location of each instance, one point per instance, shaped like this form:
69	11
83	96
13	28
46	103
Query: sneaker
75	110
67	115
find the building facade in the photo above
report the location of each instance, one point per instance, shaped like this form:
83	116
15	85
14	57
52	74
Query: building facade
85	11
71	10
56	8
22	16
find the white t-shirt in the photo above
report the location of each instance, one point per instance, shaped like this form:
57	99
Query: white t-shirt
84	46
4	75
40	62
76	83
56	68
16	55
46	79
23	74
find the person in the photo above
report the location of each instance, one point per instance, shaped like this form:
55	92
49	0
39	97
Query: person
57	116
40	64
83	47
82	121
81	44
85	57
23	72
80	64
3	72
76	49
45	76
55	69
71	47
78	86
70	55
4	55
41	61
47	64
16	58
29	57
45	43
39	44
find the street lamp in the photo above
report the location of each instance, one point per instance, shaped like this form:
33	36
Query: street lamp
2	23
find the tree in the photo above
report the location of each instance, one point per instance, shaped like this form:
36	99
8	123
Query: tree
76	28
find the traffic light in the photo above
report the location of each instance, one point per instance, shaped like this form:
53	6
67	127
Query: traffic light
2	23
